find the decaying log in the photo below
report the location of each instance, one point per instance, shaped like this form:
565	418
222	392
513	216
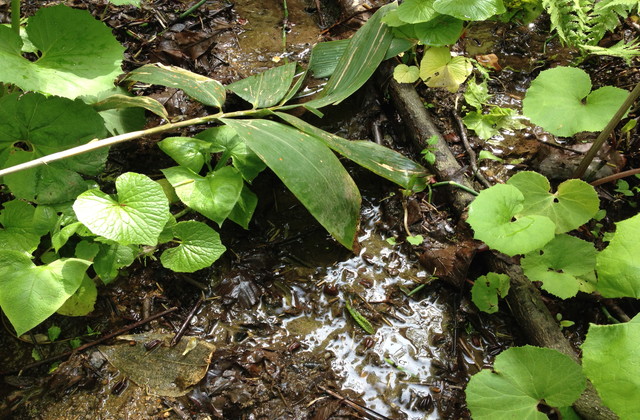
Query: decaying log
524	299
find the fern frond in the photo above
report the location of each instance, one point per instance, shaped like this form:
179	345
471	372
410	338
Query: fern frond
623	50
570	19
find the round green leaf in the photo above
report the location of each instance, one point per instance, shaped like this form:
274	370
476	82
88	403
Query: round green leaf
41	126
439	69
82	301
611	360
469	9
439	31
136	215
486	289
199	247
492	213
78	54
575	203
523	377
405	74
559	101
29	294
111	257
416	11
19	232
559	264
618	264
186	151
214	196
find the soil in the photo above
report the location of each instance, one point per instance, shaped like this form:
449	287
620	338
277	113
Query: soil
273	308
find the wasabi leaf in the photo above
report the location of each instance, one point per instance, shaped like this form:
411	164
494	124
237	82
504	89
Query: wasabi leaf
486	289
560	101
136	215
439	69
199	247
523	377
618	265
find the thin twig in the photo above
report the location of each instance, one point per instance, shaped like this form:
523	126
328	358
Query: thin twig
91	344
615	177
604	134
367	412
473	159
183	328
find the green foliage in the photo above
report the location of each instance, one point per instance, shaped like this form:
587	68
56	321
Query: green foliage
469	9
360	320
81	303
611	361
497	219
406	74
199	247
487	289
201	88
267	88
522	378
439	69
570	207
560	101
136	215
618	265
310	170
43	125
77	55
583	23
562	265
489	124
29	294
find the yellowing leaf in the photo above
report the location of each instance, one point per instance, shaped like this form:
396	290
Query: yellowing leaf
406	74
439	69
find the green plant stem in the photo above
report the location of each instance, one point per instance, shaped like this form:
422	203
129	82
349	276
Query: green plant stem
615	177
604	134
437	184
110	141
285	22
15	16
191	9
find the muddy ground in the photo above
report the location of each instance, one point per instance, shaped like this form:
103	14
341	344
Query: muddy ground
280	342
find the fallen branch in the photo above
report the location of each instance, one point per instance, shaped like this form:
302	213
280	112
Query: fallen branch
524	299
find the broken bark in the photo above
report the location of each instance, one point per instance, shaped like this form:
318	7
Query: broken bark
524	299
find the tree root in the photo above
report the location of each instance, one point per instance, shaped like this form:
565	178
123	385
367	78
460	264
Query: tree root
524	299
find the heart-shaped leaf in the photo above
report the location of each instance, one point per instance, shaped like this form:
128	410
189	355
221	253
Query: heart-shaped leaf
439	31
416	11
29	294
244	208
439	69
214	196
495	218
522	378
487	289
82	302
18	231
560	264
199	247
189	152
469	9
78	54
112	257
310	170
406	74
560	101
136	215
201	88
618	264
610	360
41	126
267	88
574	204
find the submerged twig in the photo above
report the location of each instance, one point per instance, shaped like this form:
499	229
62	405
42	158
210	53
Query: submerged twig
366	412
183	328
93	343
604	134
